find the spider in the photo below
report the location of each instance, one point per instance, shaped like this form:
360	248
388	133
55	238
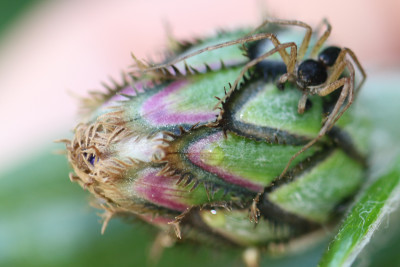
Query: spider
318	75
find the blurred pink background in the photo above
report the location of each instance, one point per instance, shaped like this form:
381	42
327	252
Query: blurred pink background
64	47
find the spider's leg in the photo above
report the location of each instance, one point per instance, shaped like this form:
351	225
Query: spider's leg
350	94
339	62
256	37
283	53
305	42
359	66
322	39
301	106
290	66
346	83
349	81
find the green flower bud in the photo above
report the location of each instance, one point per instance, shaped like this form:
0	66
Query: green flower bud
156	148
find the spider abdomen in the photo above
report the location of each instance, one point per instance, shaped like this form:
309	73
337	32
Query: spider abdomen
329	55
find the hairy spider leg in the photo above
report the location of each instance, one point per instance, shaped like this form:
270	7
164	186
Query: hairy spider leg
336	70
348	89
301	106
289	66
246	39
321	39
351	94
306	40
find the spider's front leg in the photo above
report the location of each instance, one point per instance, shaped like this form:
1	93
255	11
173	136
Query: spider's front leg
321	40
346	82
289	65
340	64
348	91
304	43
145	68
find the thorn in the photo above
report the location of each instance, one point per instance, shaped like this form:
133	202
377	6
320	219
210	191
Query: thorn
106	86
214	190
194	126
254	211
206	186
188	180
187	69
177	229
208	68
86	185
176	70
223	66
163	170
139	63
225	133
194	186
167	72
180	179
107	217
182	131
113	81
133	77
73	177
172	172
194	70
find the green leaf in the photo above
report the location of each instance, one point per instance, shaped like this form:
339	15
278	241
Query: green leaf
364	219
378	103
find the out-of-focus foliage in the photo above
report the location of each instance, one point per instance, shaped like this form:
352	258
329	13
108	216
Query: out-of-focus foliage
10	10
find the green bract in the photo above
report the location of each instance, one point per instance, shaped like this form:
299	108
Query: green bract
156	148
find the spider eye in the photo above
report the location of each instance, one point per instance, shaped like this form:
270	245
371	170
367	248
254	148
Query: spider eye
311	72
329	55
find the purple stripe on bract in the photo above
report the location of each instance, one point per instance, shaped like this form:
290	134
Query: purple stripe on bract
160	190
194	154
156	109
113	101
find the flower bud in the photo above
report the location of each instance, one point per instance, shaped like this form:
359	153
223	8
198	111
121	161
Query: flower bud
156	148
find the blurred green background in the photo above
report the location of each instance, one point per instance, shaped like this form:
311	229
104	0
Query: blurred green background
45	220
11	10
